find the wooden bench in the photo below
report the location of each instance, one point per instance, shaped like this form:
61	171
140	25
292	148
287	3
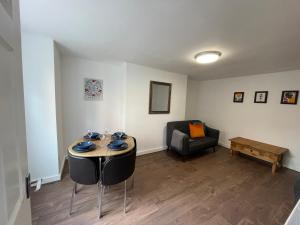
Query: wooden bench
266	152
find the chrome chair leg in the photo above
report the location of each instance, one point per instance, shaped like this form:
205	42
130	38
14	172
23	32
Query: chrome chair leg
100	198
106	189
132	181
125	184
98	195
72	198
75	188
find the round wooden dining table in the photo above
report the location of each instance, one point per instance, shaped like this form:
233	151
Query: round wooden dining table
101	148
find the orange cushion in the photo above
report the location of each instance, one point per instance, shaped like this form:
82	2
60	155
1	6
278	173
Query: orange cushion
196	130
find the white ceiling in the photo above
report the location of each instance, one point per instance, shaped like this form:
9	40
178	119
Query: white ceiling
255	36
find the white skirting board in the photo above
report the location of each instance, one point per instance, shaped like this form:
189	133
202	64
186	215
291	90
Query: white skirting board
53	178
151	150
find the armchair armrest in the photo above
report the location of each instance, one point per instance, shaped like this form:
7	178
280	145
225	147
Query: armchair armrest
213	133
180	142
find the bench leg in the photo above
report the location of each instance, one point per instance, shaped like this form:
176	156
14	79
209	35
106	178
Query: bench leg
279	163
274	165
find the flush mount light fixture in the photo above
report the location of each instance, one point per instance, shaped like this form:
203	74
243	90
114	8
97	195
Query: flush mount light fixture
208	57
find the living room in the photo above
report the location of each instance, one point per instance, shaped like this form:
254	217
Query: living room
203	94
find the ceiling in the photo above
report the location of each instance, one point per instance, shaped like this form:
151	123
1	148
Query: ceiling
255	36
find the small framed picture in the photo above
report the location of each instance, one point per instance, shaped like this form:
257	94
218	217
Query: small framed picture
238	97
261	97
289	97
93	89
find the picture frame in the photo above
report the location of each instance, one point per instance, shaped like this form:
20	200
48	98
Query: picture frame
160	97
238	97
261	97
289	97
93	89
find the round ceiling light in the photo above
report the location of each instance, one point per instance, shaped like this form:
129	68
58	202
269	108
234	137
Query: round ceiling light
208	57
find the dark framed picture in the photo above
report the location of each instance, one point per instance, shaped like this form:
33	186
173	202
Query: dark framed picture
289	97
160	97
261	97
238	97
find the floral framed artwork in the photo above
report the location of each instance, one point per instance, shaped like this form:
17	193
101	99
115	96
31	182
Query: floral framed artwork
93	89
289	97
238	97
261	97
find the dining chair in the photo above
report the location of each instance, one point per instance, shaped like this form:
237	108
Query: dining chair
115	170
85	171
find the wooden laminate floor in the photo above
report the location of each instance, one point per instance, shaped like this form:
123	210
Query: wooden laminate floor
209	189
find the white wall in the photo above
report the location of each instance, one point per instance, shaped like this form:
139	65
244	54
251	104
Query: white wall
125	101
58	101
150	129
274	123
80	115
40	106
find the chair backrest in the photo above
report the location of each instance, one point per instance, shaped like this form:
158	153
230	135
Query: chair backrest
118	168
84	170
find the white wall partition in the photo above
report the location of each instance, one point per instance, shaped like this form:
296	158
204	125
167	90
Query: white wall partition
274	123
81	115
125	101
40	80
150	129
59	112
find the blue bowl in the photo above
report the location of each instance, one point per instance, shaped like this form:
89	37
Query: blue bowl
117	148
117	143
93	135
79	148
119	135
84	144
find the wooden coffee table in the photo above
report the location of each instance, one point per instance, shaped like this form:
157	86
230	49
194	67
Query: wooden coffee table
266	152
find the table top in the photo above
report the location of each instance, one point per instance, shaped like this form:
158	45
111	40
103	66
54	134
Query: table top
102	150
259	145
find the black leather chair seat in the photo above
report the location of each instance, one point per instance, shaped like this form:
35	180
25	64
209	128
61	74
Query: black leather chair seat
201	143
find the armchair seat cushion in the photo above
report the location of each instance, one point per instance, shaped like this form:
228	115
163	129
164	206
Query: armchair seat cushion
202	143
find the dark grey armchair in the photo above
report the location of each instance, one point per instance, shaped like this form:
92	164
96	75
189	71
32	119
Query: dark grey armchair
183	144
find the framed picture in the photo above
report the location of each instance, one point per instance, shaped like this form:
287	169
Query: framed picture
289	97
160	97
93	89
261	97
238	97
